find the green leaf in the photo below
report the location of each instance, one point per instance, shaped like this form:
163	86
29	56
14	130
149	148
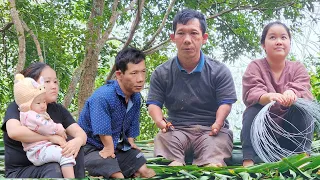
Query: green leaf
245	176
294	168
188	174
294	175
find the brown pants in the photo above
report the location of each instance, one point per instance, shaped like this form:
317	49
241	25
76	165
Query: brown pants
207	149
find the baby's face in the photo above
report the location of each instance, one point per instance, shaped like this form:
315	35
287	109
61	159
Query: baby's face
39	104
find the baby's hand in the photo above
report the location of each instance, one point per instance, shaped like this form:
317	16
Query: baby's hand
61	131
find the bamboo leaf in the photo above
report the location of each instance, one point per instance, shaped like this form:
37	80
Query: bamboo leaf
188	174
296	169
204	178
294	175
222	176
245	176
281	176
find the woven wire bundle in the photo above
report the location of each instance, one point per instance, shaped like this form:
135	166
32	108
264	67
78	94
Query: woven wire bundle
265	141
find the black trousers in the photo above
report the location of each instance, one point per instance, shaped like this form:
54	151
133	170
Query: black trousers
127	162
294	116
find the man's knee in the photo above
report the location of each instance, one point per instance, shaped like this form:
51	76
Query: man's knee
175	138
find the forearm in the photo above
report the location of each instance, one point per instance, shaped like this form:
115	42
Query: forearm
107	141
222	113
131	140
156	114
264	99
21	133
76	132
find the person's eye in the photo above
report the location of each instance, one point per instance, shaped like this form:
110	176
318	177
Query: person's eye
56	82
284	37
47	81
194	33
272	37
180	33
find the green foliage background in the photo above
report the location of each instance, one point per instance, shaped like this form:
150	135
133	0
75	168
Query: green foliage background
60	26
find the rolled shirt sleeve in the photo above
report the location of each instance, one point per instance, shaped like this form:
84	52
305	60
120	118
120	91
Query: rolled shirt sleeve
100	116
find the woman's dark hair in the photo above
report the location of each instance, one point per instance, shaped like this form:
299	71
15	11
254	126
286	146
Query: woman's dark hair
128	55
34	70
268	26
185	15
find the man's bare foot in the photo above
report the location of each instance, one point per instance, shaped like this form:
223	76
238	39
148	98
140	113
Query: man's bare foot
96	177
213	165
148	173
175	163
144	172
117	175
247	163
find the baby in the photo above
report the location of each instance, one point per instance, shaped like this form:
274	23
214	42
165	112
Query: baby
31	99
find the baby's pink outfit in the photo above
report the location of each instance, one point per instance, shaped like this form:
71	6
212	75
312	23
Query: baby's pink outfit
42	152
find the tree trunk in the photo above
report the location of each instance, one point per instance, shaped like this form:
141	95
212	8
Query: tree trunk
95	43
72	87
21	37
91	59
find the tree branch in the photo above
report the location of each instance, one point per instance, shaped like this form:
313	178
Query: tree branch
112	21
6	27
129	7
255	7
72	86
151	41
117	39
35	39
156	48
106	34
21	38
135	23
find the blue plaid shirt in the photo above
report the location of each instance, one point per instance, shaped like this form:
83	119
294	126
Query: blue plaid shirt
106	113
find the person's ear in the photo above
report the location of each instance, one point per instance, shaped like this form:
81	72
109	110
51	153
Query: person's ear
172	38
263	47
205	37
118	74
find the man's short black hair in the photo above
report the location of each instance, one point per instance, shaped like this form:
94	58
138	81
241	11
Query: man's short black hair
128	55
185	15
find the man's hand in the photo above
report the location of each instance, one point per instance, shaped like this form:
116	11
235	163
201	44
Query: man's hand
107	152
133	145
156	114
162	125
215	128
